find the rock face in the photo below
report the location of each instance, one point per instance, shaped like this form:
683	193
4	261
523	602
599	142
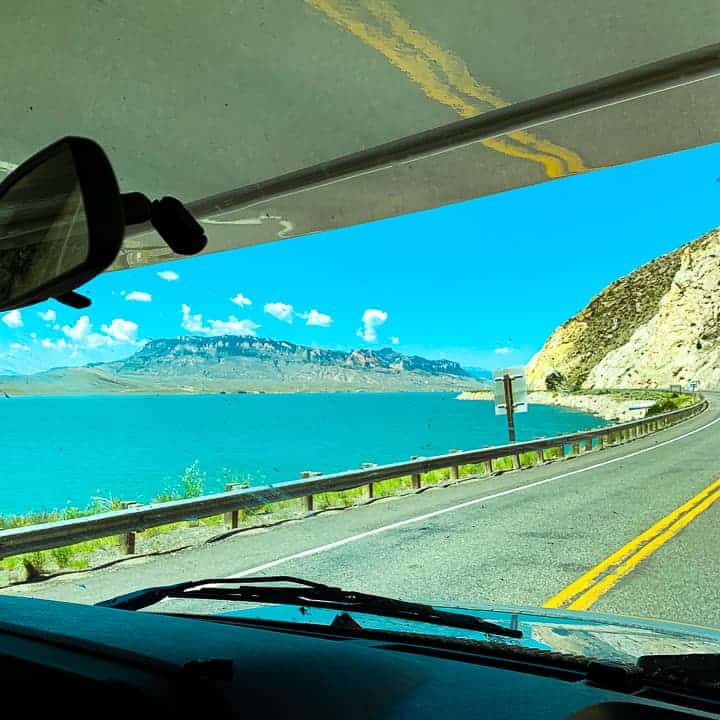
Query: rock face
655	327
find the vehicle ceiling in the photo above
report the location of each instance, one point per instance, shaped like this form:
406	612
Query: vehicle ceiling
195	98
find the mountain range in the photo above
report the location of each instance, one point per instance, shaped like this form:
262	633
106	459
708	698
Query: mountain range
237	364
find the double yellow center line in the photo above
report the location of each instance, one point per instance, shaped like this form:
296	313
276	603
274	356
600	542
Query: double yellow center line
590	587
442	76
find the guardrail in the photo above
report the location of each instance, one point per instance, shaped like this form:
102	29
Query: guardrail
136	518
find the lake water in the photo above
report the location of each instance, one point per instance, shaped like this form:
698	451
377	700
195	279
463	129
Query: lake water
67	450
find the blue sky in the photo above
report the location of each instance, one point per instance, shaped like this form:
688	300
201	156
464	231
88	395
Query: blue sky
433	283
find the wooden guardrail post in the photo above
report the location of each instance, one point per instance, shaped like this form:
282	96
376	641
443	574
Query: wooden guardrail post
415	478
588	444
232	518
515	461
454	469
370	487
308	499
127	540
576	448
540	456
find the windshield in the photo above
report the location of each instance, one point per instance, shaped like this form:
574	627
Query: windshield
479	379
306	363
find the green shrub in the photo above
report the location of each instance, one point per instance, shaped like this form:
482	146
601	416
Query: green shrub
62	556
192	481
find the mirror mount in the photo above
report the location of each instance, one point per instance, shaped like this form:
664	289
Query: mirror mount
74	300
62	222
172	220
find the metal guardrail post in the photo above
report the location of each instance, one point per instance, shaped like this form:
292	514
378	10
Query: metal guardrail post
515	461
575	448
540	456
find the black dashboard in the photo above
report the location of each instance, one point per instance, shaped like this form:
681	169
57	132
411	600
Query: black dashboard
98	661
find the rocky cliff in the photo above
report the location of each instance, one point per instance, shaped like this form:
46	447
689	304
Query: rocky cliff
657	326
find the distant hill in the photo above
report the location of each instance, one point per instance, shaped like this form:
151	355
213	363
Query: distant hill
479	373
657	326
233	364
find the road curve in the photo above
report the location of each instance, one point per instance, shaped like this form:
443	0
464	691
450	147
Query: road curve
520	537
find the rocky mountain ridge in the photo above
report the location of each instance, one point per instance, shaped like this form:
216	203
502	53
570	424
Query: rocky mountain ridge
657	326
231	364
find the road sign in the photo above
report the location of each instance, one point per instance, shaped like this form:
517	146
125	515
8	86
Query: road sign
510	395
693	385
517	386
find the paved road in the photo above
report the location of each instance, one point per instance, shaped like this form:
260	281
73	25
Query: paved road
516	538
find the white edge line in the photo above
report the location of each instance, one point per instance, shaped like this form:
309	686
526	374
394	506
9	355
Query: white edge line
461	506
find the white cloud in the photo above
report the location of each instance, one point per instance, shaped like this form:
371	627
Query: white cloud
13	319
232	326
281	311
60	344
122	331
79	330
96	340
19	347
169	275
138	296
502	351
118	332
395	340
371	319
49	316
317	318
241	300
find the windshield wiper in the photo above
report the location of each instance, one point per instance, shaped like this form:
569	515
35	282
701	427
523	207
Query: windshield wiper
304	593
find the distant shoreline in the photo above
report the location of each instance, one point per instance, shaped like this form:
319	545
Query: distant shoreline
227	393
605	406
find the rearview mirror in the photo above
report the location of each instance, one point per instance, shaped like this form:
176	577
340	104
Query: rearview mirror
61	223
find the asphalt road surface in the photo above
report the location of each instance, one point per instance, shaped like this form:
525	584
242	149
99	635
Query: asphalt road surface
631	530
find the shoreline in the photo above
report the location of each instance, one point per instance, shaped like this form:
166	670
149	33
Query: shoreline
605	406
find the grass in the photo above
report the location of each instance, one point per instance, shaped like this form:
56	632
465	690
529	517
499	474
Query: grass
191	484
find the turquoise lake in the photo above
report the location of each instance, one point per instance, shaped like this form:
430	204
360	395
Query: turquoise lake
67	450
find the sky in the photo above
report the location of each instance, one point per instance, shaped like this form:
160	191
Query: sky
484	282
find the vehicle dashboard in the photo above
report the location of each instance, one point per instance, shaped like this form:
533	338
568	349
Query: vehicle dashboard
99	659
